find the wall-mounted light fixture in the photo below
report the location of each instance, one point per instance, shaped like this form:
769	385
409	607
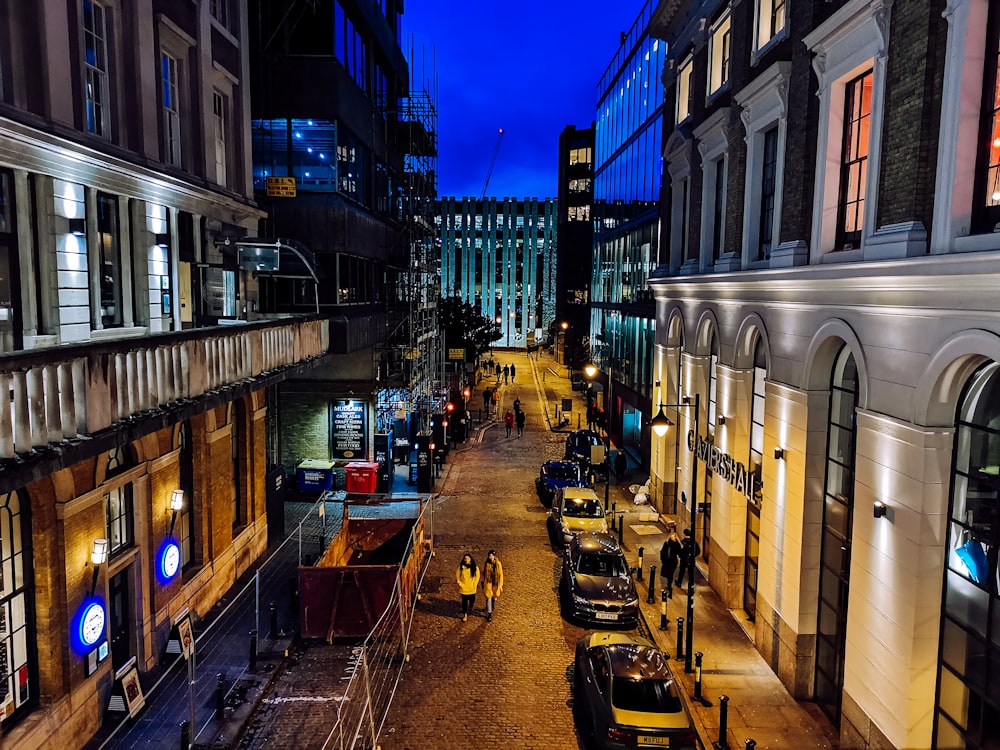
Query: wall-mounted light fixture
660	423
77	226
162	239
176	503
686	399
722	419
779	452
880	509
98	556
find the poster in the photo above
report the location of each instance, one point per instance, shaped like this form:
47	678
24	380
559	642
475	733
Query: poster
186	635
348	429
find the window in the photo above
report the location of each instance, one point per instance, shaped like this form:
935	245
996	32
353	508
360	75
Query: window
765	104
580	185
221	12
171	111
184	528
110	261
768	181
234	451
854	161
719	53
684	89
966	715
220	124
118	503
986	211
719	208
579	156
18	659
851	52
835	546
770	20
95	63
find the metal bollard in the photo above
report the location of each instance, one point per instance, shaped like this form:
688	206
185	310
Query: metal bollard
697	675
274	619
723	743
639	575
651	594
680	637
663	609
253	650
220	696
751	744
185	735
621	528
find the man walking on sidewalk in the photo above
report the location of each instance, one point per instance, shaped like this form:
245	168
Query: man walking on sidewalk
689	551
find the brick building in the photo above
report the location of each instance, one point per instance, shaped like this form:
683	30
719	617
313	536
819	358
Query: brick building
133	448
825	296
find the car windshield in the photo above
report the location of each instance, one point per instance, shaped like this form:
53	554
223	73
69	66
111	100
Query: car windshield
600	565
583	508
649	696
562	471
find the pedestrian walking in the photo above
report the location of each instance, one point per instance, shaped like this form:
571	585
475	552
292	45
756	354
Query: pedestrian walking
499	370
467	577
621	465
670	554
508	421
494	403
487	394
517	404
513	372
520	423
689	551
492	582
506	373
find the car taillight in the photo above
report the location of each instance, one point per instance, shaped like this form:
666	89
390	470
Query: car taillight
619	735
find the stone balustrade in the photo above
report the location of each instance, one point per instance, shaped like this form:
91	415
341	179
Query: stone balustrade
67	392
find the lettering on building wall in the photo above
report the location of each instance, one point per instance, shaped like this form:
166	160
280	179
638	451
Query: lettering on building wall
725	466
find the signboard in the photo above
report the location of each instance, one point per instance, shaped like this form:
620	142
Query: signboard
281	187
348	429
456	354
259	258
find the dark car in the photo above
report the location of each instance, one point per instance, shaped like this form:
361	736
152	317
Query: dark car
580	445
597	586
556	474
625	696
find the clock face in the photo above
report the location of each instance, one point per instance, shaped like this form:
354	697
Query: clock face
171	560
92	623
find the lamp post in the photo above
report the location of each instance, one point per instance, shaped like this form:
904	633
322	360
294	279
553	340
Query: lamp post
660	424
591	370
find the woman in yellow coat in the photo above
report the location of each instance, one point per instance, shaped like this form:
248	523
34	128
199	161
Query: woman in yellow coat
492	582
467	577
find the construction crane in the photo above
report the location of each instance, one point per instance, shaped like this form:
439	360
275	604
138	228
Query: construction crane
489	172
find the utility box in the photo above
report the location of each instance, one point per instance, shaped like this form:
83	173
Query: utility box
362	476
315	475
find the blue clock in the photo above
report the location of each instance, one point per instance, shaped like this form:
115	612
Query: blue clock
92	623
169	561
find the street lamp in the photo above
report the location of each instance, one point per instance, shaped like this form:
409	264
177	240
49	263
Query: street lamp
591	370
660	424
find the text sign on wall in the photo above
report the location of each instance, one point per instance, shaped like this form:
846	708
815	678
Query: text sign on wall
281	187
348	429
456	354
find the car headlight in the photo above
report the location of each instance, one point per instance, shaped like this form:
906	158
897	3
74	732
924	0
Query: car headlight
564	526
581	600
632	602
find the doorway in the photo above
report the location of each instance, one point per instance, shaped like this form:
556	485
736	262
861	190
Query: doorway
119	610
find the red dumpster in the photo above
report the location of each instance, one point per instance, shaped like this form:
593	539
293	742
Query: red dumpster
362	476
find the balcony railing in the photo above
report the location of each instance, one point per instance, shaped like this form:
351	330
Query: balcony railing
64	393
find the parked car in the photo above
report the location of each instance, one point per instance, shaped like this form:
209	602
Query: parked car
575	509
625	696
580	446
596	585
555	474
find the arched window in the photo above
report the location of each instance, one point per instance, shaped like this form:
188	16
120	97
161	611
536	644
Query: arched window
18	659
968	702
835	546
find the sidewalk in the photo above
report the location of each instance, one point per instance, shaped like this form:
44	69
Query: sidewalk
759	706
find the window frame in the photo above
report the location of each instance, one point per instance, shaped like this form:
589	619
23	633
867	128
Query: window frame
720	55
221	118
767	9
685	75
713	147
102	102
853	156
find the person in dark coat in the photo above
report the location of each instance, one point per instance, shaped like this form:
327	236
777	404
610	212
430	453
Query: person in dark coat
513	371
519	418
670	554
487	395
689	551
621	465
506	373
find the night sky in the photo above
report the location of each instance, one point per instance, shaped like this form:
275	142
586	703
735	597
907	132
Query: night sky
531	68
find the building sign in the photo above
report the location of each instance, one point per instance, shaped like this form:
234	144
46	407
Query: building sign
725	466
456	355
348	429
281	187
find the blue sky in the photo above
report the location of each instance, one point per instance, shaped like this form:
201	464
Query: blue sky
531	68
